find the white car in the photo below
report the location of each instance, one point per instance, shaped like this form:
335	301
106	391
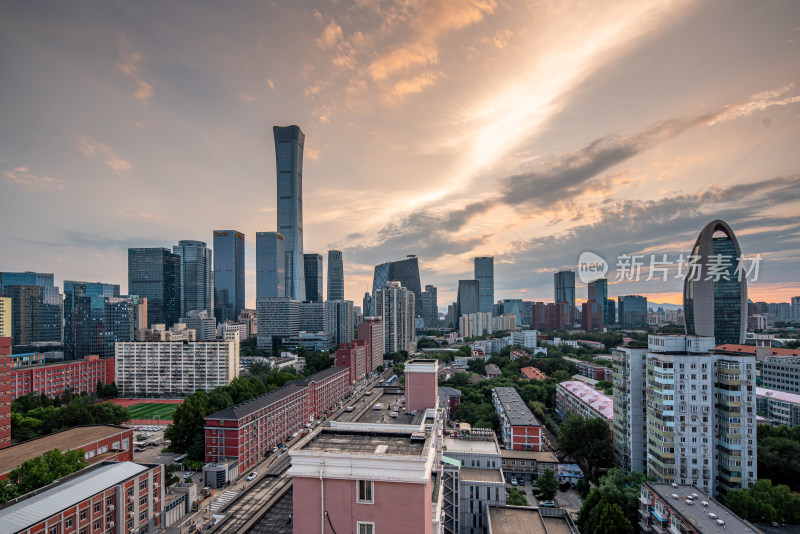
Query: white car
251	476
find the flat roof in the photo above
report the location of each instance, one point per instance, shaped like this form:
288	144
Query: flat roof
477	446
792	398
539	456
516	410
594	398
36	507
731	348
66	440
367	442
515	520
481	475
697	514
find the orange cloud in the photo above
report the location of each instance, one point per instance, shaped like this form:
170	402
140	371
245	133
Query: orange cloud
95	149
128	65
23	176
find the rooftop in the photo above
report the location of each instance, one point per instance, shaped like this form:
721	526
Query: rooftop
481	475
597	400
516	410
524	520
318	377
792	398
67	440
539	456
253	405
470	445
731	348
35	507
698	514
450	392
364	442
532	373
492	369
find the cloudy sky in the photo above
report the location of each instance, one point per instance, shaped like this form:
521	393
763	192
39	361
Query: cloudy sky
531	131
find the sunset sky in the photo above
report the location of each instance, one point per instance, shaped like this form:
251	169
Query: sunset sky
531	131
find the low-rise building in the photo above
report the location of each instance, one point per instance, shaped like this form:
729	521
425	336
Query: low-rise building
53	379
665	507
492	371
778	407
107	497
449	398
98	442
527	464
526	520
525	338
519	428
582	399
532	373
592	370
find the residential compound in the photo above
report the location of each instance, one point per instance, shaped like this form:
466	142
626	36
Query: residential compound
176	367
584	400
700	413
53	379
107	497
519	429
245	433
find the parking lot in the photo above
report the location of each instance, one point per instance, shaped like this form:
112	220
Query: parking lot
565	499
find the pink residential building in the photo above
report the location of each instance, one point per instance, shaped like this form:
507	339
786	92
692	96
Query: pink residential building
422	385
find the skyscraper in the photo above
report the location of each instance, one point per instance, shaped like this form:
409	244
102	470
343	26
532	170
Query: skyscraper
714	298
312	266
632	311
404	271
289	142
24	313
484	274
270	265
430	306
51	307
394	304
368	305
155	274
468	298
335	275
228	275
84	318
564	282
278	318
197	276
339	320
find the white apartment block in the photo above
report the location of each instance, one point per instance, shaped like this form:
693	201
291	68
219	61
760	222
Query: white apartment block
525	338
630	400
176	368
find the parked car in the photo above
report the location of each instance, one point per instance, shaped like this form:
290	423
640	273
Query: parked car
547	504
513	481
520	482
189	474
251	476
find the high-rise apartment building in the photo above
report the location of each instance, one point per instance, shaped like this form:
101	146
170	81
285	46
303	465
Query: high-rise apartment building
50	314
796	309
371	330
484	274
312	266
270	265
394	304
339	320
630	410
700	414
154	273
468	298
289	142
5	317
228	275
278	318
95	318
632	311
714	292
591	316
335	275
404	271
430	306
197	276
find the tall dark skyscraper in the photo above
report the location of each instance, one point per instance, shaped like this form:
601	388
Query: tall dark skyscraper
313	272
197	276
716	308
96	317
468	299
404	271
50	313
24	313
228	275
430	306
289	141
598	292
632	311
564	282
335	275
155	274
270	265
484	274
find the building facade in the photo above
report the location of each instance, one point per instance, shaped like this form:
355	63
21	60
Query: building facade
5	392
468	298
779	407
404	271
519	428
270	265
312	317
154	273
781	373
339	320
278	318
564	282
335	275
228	274
197	276
484	274
430	306
579	398
176	367
353	356
42	320
395	305
371	331
54	379
5	317
632	311
630	399
289	143
312	265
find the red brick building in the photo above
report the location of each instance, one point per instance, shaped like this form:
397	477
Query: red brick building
5	392
353	355
371	331
249	431
107	497
52	379
99	443
519	428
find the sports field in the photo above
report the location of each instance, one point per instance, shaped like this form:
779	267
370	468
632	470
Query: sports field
149	410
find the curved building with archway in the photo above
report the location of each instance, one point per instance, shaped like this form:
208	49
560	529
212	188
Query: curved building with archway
715	290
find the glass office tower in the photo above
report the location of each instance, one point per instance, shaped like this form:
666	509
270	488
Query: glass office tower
484	274
270	265
50	313
313	272
228	275
155	274
197	276
404	271
289	142
335	275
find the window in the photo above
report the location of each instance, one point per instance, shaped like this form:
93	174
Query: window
54	530
364	489
70	520
96	507
365	528
83	514
97	525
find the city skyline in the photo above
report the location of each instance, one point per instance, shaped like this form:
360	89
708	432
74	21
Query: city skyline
659	119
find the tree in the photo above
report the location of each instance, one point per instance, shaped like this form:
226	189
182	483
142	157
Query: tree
764	502
559	375
583	487
515	497
593	501
42	470
623	490
588	441
188	421
547	484
613	521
